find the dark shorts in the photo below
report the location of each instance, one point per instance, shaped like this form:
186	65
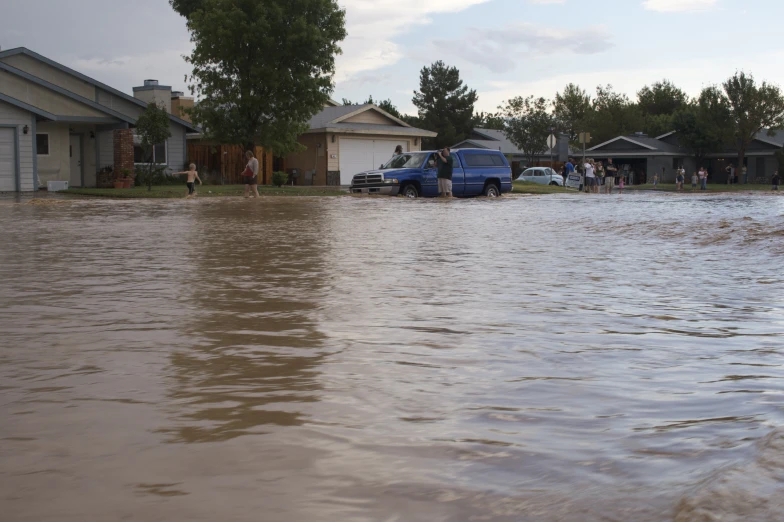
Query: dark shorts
590	182
191	187
250	180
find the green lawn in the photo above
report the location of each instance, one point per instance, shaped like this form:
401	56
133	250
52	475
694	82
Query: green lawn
712	187
527	187
205	191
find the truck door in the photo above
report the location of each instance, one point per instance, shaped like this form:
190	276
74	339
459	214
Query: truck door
429	179
458	176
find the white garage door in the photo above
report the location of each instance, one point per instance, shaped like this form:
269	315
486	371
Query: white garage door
7	161
360	155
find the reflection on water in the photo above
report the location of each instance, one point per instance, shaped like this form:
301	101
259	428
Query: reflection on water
548	358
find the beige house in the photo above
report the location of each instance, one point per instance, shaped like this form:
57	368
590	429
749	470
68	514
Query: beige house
57	124
344	140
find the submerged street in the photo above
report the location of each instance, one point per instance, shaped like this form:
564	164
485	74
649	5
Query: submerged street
568	358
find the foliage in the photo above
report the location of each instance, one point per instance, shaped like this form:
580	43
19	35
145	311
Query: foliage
152	127
279	178
612	114
489	120
572	108
528	124
385	105
661	98
261	68
703	126
752	109
152	174
445	105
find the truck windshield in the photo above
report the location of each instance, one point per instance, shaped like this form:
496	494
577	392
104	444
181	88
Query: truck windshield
409	160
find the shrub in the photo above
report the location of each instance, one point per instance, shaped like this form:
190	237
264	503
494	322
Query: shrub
279	178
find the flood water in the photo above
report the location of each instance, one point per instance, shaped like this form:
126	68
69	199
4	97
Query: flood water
555	358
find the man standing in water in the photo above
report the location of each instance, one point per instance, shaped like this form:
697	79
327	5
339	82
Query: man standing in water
445	163
703	175
609	177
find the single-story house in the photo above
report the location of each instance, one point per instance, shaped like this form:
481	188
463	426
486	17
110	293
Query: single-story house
645	156
344	140
57	124
497	140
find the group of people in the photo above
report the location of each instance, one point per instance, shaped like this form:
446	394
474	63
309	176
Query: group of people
596	174
700	176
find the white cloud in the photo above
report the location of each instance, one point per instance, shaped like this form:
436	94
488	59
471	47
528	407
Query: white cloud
501	49
672	6
546	1
372	26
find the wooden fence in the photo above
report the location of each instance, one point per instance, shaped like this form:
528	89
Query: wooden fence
225	163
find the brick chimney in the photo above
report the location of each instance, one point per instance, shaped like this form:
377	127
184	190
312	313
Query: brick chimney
179	102
152	91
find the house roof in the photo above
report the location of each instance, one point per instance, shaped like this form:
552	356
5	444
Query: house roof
496	140
96	83
644	144
332	119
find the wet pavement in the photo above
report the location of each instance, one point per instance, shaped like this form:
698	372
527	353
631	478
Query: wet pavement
554	358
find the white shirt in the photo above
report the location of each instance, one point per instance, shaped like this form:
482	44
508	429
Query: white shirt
254	166
589	170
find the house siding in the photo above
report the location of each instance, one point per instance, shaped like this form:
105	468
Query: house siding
51	74
55	166
175	151
370	116
309	158
10	115
105	142
44	98
119	104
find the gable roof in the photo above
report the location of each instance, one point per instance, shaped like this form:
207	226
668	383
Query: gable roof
496	140
489	134
777	139
645	144
333	119
27	52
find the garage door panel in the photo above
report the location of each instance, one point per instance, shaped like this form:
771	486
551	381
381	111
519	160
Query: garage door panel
357	155
7	161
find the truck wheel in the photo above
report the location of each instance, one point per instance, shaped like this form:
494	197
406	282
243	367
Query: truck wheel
410	191
491	191
554	183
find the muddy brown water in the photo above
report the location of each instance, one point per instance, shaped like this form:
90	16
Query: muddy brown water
360	359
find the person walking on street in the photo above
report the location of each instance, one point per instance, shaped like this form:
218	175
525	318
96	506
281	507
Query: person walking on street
251	175
775	180
445	164
703	175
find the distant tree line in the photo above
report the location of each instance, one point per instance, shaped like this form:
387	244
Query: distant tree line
723	116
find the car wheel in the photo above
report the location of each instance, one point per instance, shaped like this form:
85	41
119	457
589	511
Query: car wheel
410	191
491	191
553	183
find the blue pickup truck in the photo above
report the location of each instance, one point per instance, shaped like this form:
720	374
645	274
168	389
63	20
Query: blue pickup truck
477	172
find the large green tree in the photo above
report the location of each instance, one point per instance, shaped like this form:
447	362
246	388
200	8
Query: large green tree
152	128
445	105
261	68
489	120
612	114
657	104
528	124
572	108
753	108
703	125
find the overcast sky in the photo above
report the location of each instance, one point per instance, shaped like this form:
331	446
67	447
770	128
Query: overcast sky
503	48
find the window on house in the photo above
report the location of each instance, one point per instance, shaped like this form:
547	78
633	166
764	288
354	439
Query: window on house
158	153
42	144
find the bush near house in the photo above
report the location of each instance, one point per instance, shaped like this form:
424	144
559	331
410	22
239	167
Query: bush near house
279	178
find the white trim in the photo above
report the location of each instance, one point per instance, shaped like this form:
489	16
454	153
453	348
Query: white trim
665	135
622	138
48	144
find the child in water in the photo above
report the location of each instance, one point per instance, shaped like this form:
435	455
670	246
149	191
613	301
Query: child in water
620	186
655	180
192	176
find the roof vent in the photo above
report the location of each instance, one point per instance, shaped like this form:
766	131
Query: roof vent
148	83
177	94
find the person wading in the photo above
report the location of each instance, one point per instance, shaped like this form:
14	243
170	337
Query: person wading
609	178
251	175
445	164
